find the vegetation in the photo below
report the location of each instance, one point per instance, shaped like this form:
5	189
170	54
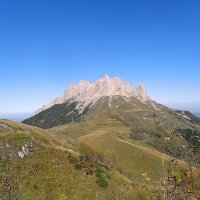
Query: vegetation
127	152
92	162
58	114
102	177
49	172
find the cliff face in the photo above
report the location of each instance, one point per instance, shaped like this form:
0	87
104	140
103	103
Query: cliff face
87	93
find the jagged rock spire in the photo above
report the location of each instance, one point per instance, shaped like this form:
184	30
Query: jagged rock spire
87	93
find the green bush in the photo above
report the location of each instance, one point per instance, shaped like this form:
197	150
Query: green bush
101	182
72	159
99	171
102	178
78	166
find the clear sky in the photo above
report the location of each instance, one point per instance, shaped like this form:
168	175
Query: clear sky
47	44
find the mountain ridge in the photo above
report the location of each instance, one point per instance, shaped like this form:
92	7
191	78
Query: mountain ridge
115	98
87	93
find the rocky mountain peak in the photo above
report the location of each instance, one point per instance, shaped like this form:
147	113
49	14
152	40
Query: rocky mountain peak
87	93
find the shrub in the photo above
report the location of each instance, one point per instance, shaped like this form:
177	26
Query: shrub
101	182
78	166
102	177
90	155
72	159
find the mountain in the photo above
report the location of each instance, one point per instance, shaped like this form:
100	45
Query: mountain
86	93
116	138
114	96
112	106
78	99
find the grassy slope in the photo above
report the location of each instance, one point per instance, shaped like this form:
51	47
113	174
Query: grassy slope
133	158
106	125
45	173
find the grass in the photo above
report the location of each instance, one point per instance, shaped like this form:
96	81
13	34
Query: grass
131	159
18	140
102	177
47	173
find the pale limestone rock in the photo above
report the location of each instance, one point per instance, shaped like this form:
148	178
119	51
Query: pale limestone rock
87	93
142	92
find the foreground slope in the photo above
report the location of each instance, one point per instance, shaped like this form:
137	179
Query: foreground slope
34	166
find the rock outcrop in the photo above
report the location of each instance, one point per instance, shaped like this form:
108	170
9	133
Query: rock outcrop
87	93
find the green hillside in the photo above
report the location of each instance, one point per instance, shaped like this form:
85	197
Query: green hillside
58	114
35	166
137	121
123	145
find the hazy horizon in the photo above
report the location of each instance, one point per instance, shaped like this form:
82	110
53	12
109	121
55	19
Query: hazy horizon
15	116
192	107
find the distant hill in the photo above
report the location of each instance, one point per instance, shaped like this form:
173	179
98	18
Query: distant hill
18	117
197	114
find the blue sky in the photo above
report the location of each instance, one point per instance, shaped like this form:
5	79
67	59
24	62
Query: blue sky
47	44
